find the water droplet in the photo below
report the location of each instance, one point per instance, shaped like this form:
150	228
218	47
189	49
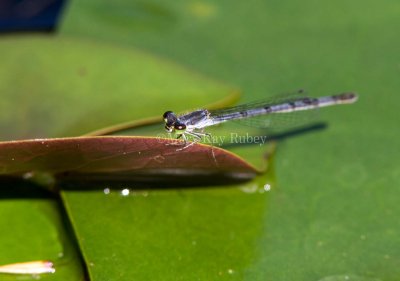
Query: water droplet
106	191
230	271
125	192
267	187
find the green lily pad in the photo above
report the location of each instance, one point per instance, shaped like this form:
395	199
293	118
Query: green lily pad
67	87
333	214
176	232
33	231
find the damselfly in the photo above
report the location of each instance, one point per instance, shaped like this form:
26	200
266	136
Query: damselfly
193	123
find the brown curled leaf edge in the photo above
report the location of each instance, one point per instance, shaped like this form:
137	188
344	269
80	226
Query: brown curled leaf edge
122	158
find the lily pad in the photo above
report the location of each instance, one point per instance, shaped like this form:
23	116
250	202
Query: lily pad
175	232
54	86
122	158
34	232
333	212
68	87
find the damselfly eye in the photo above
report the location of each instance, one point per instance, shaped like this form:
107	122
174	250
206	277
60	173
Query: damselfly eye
167	115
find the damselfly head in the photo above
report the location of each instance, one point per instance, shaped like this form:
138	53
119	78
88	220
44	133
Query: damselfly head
172	123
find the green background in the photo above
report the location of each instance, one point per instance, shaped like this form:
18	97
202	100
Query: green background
332	212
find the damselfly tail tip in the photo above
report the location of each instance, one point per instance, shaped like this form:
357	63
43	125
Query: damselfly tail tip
348	97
